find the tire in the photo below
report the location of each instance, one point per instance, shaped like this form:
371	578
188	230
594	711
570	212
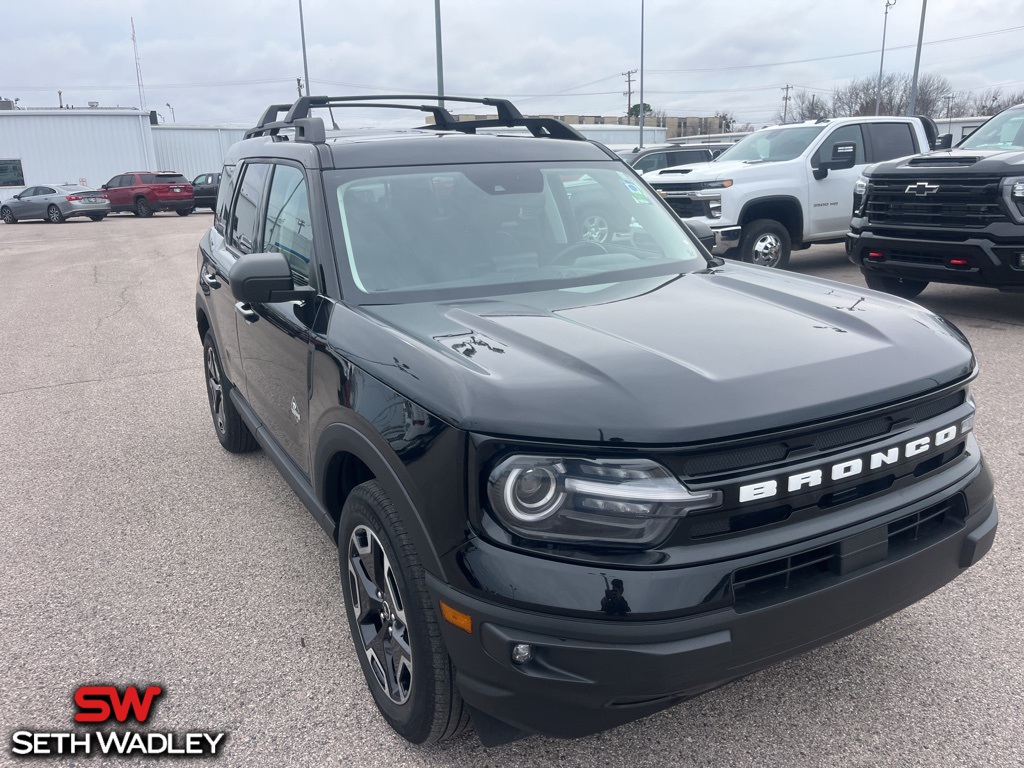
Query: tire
595	226
765	242
53	215
184	211
232	432
7	215
390	614
143	208
98	216
897	286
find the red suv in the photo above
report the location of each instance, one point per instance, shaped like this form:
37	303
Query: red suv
145	192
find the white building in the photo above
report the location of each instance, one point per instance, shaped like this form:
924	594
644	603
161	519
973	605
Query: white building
89	146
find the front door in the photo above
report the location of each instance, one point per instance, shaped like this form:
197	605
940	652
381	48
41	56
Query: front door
274	339
831	198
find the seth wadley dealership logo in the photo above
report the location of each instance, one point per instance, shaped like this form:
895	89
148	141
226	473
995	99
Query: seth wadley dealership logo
100	703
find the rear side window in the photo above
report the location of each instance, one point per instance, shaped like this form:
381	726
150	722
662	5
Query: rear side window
689	156
288	229
889	140
242	229
169	178
227	189
147	178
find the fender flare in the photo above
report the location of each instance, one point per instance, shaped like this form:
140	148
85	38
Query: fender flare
389	471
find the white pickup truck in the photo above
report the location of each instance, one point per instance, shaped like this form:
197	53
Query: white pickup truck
788	186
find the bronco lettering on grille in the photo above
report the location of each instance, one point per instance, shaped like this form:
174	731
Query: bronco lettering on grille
846	469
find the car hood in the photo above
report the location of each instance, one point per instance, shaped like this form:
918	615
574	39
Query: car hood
680	359
716	170
957	161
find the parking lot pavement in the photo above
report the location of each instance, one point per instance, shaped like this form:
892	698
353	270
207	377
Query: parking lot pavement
136	550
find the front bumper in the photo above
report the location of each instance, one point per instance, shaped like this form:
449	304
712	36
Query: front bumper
988	264
588	675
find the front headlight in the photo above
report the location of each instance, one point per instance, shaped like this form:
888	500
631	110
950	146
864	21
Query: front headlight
631	502
860	191
1013	193
861	186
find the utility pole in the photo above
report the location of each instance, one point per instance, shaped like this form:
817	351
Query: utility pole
628	93
305	61
881	62
917	61
642	104
138	70
438	52
785	104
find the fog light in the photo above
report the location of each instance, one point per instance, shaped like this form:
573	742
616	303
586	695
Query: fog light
959	263
876	255
522	653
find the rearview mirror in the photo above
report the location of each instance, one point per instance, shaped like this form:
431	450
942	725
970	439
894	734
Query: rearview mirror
265	278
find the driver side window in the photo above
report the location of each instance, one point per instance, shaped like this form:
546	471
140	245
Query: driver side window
843	134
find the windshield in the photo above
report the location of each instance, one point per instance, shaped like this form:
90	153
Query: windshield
772	145
1004	131
478	230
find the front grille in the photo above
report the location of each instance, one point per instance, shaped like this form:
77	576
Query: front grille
811	447
685	207
955	202
787	577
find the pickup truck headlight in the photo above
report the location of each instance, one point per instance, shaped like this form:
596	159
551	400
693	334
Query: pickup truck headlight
860	191
1013	193
631	502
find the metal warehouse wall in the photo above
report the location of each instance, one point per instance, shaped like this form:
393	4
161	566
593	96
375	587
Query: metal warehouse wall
64	146
192	150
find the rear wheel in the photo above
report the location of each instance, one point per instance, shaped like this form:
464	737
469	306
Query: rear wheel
184	211
142	207
765	242
232	432
897	286
7	215
53	215
392	620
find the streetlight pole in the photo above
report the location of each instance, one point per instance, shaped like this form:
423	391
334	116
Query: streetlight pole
881	63
949	112
917	61
172	112
305	62
437	45
642	105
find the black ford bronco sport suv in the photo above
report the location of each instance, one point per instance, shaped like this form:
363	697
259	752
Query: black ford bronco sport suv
563	498
951	216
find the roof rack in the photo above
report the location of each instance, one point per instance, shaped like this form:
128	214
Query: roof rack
311	129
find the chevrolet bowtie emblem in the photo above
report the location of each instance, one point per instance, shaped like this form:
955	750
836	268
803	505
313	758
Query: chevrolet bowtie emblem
921	189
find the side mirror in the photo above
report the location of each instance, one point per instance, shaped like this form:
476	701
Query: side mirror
18	196
265	278
103	186
844	153
945	141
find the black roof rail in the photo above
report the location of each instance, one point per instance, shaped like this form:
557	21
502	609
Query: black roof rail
311	129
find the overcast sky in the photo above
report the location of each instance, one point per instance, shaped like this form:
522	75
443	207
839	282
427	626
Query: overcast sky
225	60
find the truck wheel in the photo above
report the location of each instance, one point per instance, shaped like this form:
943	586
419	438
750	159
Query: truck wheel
765	242
232	432
897	286
392	621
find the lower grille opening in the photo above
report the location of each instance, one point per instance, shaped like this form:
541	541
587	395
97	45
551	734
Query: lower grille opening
787	577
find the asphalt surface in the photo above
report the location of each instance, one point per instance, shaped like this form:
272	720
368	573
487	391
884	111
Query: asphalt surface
135	550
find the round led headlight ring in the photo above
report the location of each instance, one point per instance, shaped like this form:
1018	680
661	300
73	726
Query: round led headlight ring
532	493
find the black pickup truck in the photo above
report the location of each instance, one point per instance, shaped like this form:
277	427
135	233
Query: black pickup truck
571	483
951	216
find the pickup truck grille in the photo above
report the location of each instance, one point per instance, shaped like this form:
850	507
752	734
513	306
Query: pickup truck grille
815	447
949	202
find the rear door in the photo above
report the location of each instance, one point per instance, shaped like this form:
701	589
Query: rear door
274	339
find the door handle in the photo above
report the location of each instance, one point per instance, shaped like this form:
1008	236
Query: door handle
210	280
247	313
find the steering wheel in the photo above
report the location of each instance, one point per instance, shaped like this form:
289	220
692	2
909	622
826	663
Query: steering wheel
570	253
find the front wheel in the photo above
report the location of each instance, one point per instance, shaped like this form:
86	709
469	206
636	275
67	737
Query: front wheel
184	211
392	621
765	242
897	286
7	215
53	215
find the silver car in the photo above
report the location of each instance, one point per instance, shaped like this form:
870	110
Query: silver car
54	203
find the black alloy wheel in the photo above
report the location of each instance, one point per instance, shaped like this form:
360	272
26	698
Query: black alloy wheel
143	208
392	621
231	431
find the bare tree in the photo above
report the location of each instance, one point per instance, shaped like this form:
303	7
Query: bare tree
805	106
726	120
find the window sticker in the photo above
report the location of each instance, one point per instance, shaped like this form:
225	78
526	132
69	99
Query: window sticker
636	192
